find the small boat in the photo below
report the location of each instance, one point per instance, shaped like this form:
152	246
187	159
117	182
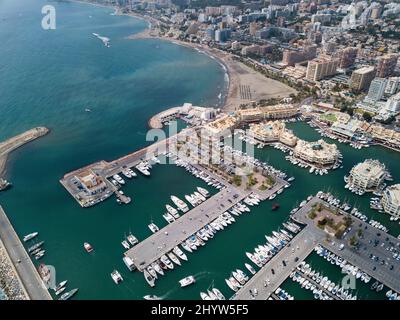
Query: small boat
157	268
88	247
68	295
168	217
275	206
250	268
59	291
212	295
125	244
153	227
132	239
35	246
180	253
218	294
116	276
203	191
164	259
40	254
187	281
204	296
150	280
129	263
30	236
152	272
186	247
61	285
174	258
151	297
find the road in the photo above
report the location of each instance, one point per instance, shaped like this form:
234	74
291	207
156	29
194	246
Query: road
27	272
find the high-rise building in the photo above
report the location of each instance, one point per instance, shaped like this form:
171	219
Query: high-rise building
291	57
393	103
391	200
376	12
386	65
392	86
361	78
376	89
253	28
347	57
213	11
322	67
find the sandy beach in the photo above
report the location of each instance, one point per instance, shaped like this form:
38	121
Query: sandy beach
245	84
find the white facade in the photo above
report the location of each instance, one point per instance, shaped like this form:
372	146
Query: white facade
391	200
376	89
393	103
367	175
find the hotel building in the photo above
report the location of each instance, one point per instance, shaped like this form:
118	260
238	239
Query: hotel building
367	175
391	200
272	131
318	153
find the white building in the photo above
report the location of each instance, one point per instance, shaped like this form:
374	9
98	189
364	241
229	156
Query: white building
392	86
391	200
318	153
393	103
367	175
376	89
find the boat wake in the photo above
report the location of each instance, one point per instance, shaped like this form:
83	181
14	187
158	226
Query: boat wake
202	275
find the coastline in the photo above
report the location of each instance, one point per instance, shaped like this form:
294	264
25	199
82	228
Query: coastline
239	76
244	86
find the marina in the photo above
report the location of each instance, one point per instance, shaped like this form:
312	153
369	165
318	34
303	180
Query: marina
47	208
312	238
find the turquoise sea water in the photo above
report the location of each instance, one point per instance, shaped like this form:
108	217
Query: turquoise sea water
50	77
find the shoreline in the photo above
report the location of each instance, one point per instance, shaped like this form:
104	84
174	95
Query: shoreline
239	76
244	86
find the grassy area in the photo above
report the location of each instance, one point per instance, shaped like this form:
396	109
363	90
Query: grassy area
329	117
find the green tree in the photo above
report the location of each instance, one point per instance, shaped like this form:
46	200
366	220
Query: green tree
367	117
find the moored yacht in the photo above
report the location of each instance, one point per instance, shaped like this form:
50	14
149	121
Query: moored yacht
203	191
173	258
30	236
180	204
153	227
149	278
180	253
129	263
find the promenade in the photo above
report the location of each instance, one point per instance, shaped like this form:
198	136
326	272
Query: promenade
28	277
